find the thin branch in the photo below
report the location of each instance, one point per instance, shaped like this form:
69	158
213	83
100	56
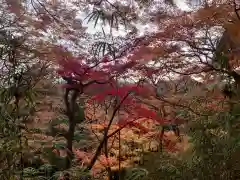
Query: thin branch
98	151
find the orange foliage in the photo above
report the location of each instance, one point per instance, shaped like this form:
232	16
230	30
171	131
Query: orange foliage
134	108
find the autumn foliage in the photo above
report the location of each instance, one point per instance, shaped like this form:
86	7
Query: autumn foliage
123	91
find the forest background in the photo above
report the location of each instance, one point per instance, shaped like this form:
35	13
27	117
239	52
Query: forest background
130	89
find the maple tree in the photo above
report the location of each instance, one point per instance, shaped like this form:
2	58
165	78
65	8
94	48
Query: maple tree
119	82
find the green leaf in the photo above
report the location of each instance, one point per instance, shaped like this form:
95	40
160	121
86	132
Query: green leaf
47	170
136	174
159	113
29	172
56	122
59	145
36	130
78	136
80	114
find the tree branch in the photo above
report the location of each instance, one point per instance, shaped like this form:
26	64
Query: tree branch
98	151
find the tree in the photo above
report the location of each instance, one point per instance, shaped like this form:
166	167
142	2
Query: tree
183	44
19	77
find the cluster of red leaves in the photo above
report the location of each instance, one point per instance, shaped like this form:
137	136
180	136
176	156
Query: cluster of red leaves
82	73
119	92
